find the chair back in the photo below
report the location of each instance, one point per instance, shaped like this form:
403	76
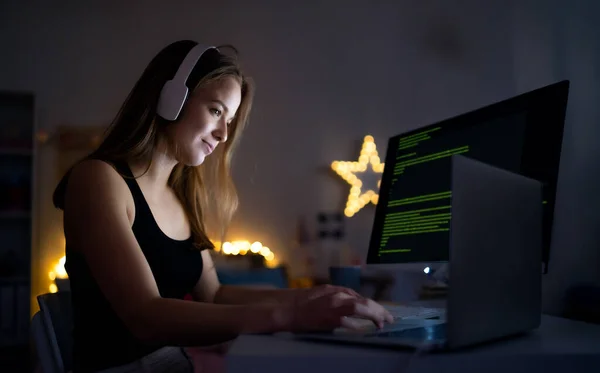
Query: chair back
45	348
57	318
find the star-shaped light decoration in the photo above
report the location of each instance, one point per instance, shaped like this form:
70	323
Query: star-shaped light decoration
357	198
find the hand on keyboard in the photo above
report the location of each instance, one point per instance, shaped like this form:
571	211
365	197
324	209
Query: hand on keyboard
373	308
328	307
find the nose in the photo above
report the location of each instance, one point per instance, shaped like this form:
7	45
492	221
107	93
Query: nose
220	133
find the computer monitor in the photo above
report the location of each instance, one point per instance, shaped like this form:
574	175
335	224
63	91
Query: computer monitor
522	134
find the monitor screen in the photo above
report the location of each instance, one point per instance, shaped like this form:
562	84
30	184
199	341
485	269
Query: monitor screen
522	134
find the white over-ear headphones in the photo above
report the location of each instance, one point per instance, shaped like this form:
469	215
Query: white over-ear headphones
175	92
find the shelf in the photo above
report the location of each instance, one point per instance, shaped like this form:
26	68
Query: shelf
7	341
12	280
14	215
24	152
18	149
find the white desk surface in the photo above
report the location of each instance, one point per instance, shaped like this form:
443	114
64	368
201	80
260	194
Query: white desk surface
559	345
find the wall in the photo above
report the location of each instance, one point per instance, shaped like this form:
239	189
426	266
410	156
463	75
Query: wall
555	41
328	73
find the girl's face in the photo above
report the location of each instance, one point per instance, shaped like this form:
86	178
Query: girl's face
205	120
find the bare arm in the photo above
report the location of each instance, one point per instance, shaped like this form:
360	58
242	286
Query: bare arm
97	202
228	294
209	289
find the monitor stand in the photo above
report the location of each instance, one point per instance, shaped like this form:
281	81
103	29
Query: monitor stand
409	278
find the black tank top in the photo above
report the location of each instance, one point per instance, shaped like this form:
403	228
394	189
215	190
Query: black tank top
101	340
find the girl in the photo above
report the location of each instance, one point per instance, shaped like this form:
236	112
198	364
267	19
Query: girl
136	216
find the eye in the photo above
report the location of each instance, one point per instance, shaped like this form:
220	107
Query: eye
216	112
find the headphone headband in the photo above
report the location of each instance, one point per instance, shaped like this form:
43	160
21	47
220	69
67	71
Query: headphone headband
175	92
189	62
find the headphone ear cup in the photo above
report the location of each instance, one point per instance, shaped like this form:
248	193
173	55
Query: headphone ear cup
175	92
172	98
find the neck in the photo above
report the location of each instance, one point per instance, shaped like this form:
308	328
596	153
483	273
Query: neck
157	175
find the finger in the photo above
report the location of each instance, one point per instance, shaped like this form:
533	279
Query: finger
387	316
368	311
342	310
356	324
352	314
352	307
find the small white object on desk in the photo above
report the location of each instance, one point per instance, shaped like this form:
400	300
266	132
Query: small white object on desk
559	345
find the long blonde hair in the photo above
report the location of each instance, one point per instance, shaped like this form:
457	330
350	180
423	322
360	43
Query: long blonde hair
207	191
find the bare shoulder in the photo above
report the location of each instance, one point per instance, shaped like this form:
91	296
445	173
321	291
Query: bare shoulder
96	179
94	189
95	175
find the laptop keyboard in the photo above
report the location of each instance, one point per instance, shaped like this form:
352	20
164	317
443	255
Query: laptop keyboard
413	312
405	317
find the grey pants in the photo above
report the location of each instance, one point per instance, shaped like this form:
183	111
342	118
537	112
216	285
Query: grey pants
166	359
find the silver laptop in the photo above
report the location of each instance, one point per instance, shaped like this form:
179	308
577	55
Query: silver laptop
494	243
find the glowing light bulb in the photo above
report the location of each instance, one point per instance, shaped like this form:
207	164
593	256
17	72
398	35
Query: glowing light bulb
241	247
264	251
59	270
227	248
255	247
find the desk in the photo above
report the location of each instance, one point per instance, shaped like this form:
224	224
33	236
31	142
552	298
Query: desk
559	345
